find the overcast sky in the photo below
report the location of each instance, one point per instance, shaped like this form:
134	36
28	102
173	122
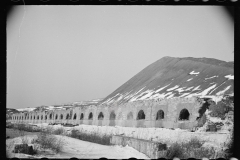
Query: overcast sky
61	54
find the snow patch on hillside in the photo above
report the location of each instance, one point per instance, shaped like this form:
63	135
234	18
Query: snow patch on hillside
223	91
25	109
210	77
188	89
170	89
196	88
205	92
229	76
194	73
189	79
161	88
180	89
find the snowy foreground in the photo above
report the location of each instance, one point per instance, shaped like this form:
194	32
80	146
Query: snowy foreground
163	135
80	149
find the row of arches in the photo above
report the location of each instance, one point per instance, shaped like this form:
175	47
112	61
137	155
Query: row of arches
183	115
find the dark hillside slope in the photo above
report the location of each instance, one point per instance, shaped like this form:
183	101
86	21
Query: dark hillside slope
177	77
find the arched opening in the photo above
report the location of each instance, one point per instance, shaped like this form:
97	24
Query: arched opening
112	119
130	116
31	117
67	117
129	122
100	116
56	117
41	117
61	116
141	115
37	117
82	116
160	115
112	116
75	116
184	114
90	117
51	116
46	117
34	117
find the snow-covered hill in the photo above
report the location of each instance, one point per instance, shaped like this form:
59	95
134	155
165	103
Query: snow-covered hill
177	77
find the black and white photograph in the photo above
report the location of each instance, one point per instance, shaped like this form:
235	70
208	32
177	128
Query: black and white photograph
120	81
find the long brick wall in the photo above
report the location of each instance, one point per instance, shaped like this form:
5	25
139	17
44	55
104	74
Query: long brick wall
148	113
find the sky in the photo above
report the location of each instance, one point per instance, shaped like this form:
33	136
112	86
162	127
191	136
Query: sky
64	54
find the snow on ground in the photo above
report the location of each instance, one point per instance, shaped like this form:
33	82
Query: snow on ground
193	73
212	139
81	149
229	76
163	135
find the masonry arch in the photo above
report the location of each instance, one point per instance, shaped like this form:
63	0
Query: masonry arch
37	117
41	117
45	117
120	116
130	116
112	115
90	117
67	116
50	116
61	116
34	117
82	116
160	115
100	116
112	119
141	115
184	114
75	116
56	117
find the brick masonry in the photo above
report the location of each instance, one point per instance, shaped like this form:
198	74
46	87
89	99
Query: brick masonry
122	115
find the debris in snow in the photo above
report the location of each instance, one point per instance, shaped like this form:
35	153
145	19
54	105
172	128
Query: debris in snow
229	76
192	73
